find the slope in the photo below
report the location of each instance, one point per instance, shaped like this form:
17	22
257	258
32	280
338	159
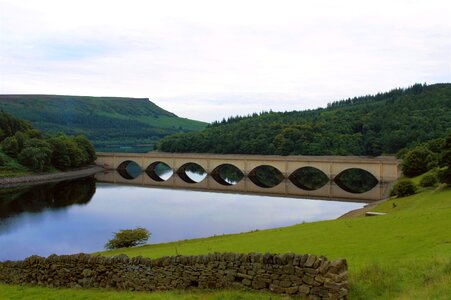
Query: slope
106	121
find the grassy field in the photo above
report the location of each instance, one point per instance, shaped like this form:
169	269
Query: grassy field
405	254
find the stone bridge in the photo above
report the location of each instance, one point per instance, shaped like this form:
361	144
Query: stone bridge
385	169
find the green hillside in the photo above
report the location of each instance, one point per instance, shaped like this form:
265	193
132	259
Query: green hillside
106	121
370	125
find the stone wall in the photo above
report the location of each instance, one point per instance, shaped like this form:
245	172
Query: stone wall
302	275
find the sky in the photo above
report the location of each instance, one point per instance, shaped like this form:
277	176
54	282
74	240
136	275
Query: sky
209	60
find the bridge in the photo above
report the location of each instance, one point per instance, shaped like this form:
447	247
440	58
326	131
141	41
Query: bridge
384	169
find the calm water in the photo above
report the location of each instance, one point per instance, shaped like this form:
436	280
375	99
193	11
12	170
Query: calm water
80	216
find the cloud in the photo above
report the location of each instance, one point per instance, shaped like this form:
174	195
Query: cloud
198	57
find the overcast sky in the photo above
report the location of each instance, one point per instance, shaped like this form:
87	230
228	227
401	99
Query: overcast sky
211	59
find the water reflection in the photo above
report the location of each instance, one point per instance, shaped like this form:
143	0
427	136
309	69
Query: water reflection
192	173
46	196
308	178
266	176
159	171
227	174
129	169
356	180
44	227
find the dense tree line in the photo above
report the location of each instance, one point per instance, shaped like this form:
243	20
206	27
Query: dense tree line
371	125
20	141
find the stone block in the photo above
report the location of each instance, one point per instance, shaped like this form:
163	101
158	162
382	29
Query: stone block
259	284
246	282
304	289
310	261
276	289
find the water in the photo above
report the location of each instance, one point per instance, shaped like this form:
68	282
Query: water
80	216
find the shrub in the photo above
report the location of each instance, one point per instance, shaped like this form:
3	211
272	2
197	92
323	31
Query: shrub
128	238
10	146
445	175
429	180
417	161
404	188
37	159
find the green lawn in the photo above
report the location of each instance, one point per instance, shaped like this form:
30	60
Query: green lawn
405	254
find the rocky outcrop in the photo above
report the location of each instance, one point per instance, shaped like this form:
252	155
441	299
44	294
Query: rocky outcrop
303	275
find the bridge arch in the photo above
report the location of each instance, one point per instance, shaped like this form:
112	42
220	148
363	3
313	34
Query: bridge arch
356	180
266	176
129	169
309	178
159	171
192	172
339	168
227	174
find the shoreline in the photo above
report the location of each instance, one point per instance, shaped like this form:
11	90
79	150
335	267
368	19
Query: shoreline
361	211
7	182
51	177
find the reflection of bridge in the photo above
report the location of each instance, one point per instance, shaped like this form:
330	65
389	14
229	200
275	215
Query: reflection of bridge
385	169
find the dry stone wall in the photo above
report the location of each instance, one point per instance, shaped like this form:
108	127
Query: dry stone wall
303	275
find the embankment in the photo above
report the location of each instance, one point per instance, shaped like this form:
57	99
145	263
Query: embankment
43	178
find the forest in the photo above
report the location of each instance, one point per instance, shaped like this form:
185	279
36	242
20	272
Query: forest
24	149
370	125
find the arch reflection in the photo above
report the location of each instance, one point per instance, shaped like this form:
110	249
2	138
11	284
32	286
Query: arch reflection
266	176
309	178
159	171
356	181
192	173
227	174
129	169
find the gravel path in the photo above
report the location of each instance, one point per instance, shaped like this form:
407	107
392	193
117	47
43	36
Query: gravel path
43	178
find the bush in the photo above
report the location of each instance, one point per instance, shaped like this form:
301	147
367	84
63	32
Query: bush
128	238
429	180
404	188
10	146
417	161
445	175
37	159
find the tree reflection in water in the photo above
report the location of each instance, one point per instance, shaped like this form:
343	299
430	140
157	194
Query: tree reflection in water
49	196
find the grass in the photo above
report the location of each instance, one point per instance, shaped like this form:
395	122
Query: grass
31	293
405	254
414	229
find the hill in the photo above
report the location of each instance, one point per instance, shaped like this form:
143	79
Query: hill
370	125
109	122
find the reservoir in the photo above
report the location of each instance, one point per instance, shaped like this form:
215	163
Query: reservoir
82	215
